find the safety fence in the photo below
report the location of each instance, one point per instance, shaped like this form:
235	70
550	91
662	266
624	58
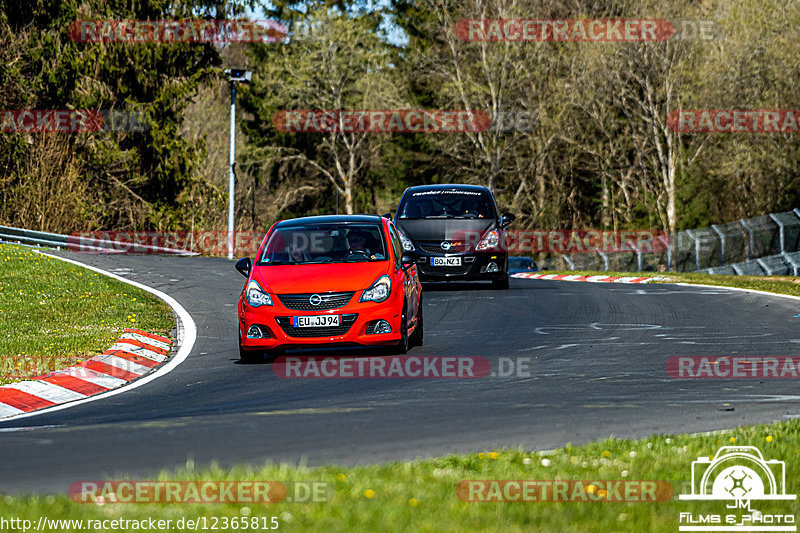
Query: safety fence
763	245
71	242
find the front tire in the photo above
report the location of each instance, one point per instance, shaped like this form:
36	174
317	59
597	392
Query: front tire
250	357
500	284
418	336
403	345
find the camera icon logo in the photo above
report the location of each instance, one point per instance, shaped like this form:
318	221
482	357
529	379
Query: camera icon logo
738	473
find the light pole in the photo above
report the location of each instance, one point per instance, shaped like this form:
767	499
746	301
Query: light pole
242	76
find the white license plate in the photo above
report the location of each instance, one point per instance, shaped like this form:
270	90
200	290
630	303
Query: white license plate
446	261
316	321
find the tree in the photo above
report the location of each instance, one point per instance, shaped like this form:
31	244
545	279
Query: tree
125	180
336	63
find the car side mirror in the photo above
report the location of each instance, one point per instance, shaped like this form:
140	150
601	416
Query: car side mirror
408	260
506	219
244	265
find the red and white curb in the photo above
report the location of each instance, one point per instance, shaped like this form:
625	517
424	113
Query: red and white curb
590	279
143	345
134	355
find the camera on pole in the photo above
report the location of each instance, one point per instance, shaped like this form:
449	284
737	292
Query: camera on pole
240	75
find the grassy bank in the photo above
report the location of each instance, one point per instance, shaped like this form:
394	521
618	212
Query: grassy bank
55	314
421	495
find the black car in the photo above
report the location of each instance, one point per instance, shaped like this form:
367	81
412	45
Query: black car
457	232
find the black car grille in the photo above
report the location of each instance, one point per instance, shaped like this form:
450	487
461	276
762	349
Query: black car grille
347	321
426	268
330	300
435	247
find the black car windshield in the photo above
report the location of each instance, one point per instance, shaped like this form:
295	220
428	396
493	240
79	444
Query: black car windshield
324	243
447	204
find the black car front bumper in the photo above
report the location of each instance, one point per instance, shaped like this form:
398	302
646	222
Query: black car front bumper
474	266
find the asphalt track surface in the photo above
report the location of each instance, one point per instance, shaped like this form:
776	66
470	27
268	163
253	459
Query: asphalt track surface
597	359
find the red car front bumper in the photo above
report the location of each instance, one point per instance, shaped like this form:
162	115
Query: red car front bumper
355	318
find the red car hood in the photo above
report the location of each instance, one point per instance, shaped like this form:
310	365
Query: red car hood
335	277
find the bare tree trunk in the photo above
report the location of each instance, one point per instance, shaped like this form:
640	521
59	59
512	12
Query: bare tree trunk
348	196
604	215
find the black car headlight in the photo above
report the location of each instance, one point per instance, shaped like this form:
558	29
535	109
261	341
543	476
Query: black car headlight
489	241
408	246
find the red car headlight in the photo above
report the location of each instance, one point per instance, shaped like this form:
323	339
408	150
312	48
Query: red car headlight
378	291
256	296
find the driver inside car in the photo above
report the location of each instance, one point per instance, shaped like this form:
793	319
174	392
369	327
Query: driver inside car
357	243
474	209
298	255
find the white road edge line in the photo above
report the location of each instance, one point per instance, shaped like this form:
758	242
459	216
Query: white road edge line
187	335
767	293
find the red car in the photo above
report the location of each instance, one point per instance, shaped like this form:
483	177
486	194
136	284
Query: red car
326	280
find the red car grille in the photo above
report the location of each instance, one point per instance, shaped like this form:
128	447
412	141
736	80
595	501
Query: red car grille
329	300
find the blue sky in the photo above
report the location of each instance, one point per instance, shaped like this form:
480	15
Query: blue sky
395	34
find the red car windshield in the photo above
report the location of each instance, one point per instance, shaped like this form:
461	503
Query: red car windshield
325	243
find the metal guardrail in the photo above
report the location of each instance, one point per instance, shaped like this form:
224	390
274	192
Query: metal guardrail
82	244
764	245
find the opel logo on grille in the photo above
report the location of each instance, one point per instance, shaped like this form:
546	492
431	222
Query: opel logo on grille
315	299
445	245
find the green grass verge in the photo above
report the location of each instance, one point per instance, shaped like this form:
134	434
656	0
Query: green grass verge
55	314
421	495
